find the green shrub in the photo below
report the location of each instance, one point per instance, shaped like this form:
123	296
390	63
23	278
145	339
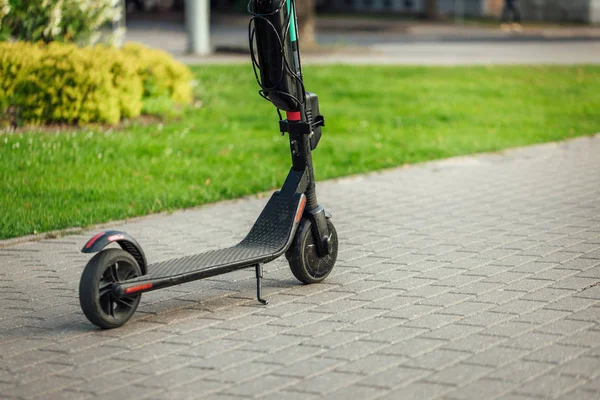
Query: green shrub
58	20
63	83
15	63
161	74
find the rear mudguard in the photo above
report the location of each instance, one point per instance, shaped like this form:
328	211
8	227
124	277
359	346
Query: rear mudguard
126	242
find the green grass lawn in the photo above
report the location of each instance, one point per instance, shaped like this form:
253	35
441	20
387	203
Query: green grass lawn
377	117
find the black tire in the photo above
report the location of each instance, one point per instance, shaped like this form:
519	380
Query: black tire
304	260
100	307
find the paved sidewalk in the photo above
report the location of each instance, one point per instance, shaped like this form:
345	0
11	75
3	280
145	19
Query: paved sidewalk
398	43
469	278
440	53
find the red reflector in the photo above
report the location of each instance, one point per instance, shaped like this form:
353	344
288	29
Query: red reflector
300	209
92	240
138	288
293	115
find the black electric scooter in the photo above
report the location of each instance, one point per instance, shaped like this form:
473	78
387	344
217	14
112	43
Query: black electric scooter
292	222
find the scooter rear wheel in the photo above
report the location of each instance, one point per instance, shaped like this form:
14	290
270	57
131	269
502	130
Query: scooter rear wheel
97	301
303	257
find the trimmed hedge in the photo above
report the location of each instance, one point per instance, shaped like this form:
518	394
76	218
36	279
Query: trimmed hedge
160	74
63	83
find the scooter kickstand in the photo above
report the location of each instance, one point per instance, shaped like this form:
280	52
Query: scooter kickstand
259	275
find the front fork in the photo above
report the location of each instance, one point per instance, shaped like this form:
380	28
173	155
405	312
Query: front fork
302	161
318	217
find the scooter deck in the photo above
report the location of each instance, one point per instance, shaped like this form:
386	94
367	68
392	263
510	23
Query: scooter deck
268	239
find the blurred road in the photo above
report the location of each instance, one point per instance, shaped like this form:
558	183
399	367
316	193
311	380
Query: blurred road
420	44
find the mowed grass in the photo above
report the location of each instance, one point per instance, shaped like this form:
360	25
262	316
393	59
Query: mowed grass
377	117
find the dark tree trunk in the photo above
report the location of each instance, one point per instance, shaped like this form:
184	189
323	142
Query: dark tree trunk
431	9
306	22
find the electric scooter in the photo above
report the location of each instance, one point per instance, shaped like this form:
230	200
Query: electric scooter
292	223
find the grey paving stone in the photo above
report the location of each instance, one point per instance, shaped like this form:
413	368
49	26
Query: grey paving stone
459	374
458	281
333	339
467	308
532	340
548	294
520	371
437	359
487	319
451	332
575	283
356	316
581	367
225	360
584	338
591	314
578	394
371	364
496	356
554	274
199	388
357	392
543	316
592	386
67	394
309	367
392	303
413	347
171	379
278	395
474	343
507	277
499	296
519	306
264	385
565	327
105	383
509	329
445	299
593	272
394	377
315	329
372	325
354	350
94	369
592	292
433	321
291	355
42	387
528	285
325	383
555	353
549	386
580	264
396	334
412	312
418	390
572	304
474	277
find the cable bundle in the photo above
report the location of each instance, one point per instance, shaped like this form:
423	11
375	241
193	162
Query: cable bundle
275	53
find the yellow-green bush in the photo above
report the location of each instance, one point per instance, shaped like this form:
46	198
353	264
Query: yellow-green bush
15	62
65	83
162	75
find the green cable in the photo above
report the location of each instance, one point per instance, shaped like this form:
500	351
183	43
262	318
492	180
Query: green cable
292	21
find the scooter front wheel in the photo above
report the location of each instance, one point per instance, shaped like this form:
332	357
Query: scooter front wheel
97	301
304	259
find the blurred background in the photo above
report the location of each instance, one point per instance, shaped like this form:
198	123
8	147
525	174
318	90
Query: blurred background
90	88
392	31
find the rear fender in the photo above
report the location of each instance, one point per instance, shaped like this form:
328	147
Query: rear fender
127	243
